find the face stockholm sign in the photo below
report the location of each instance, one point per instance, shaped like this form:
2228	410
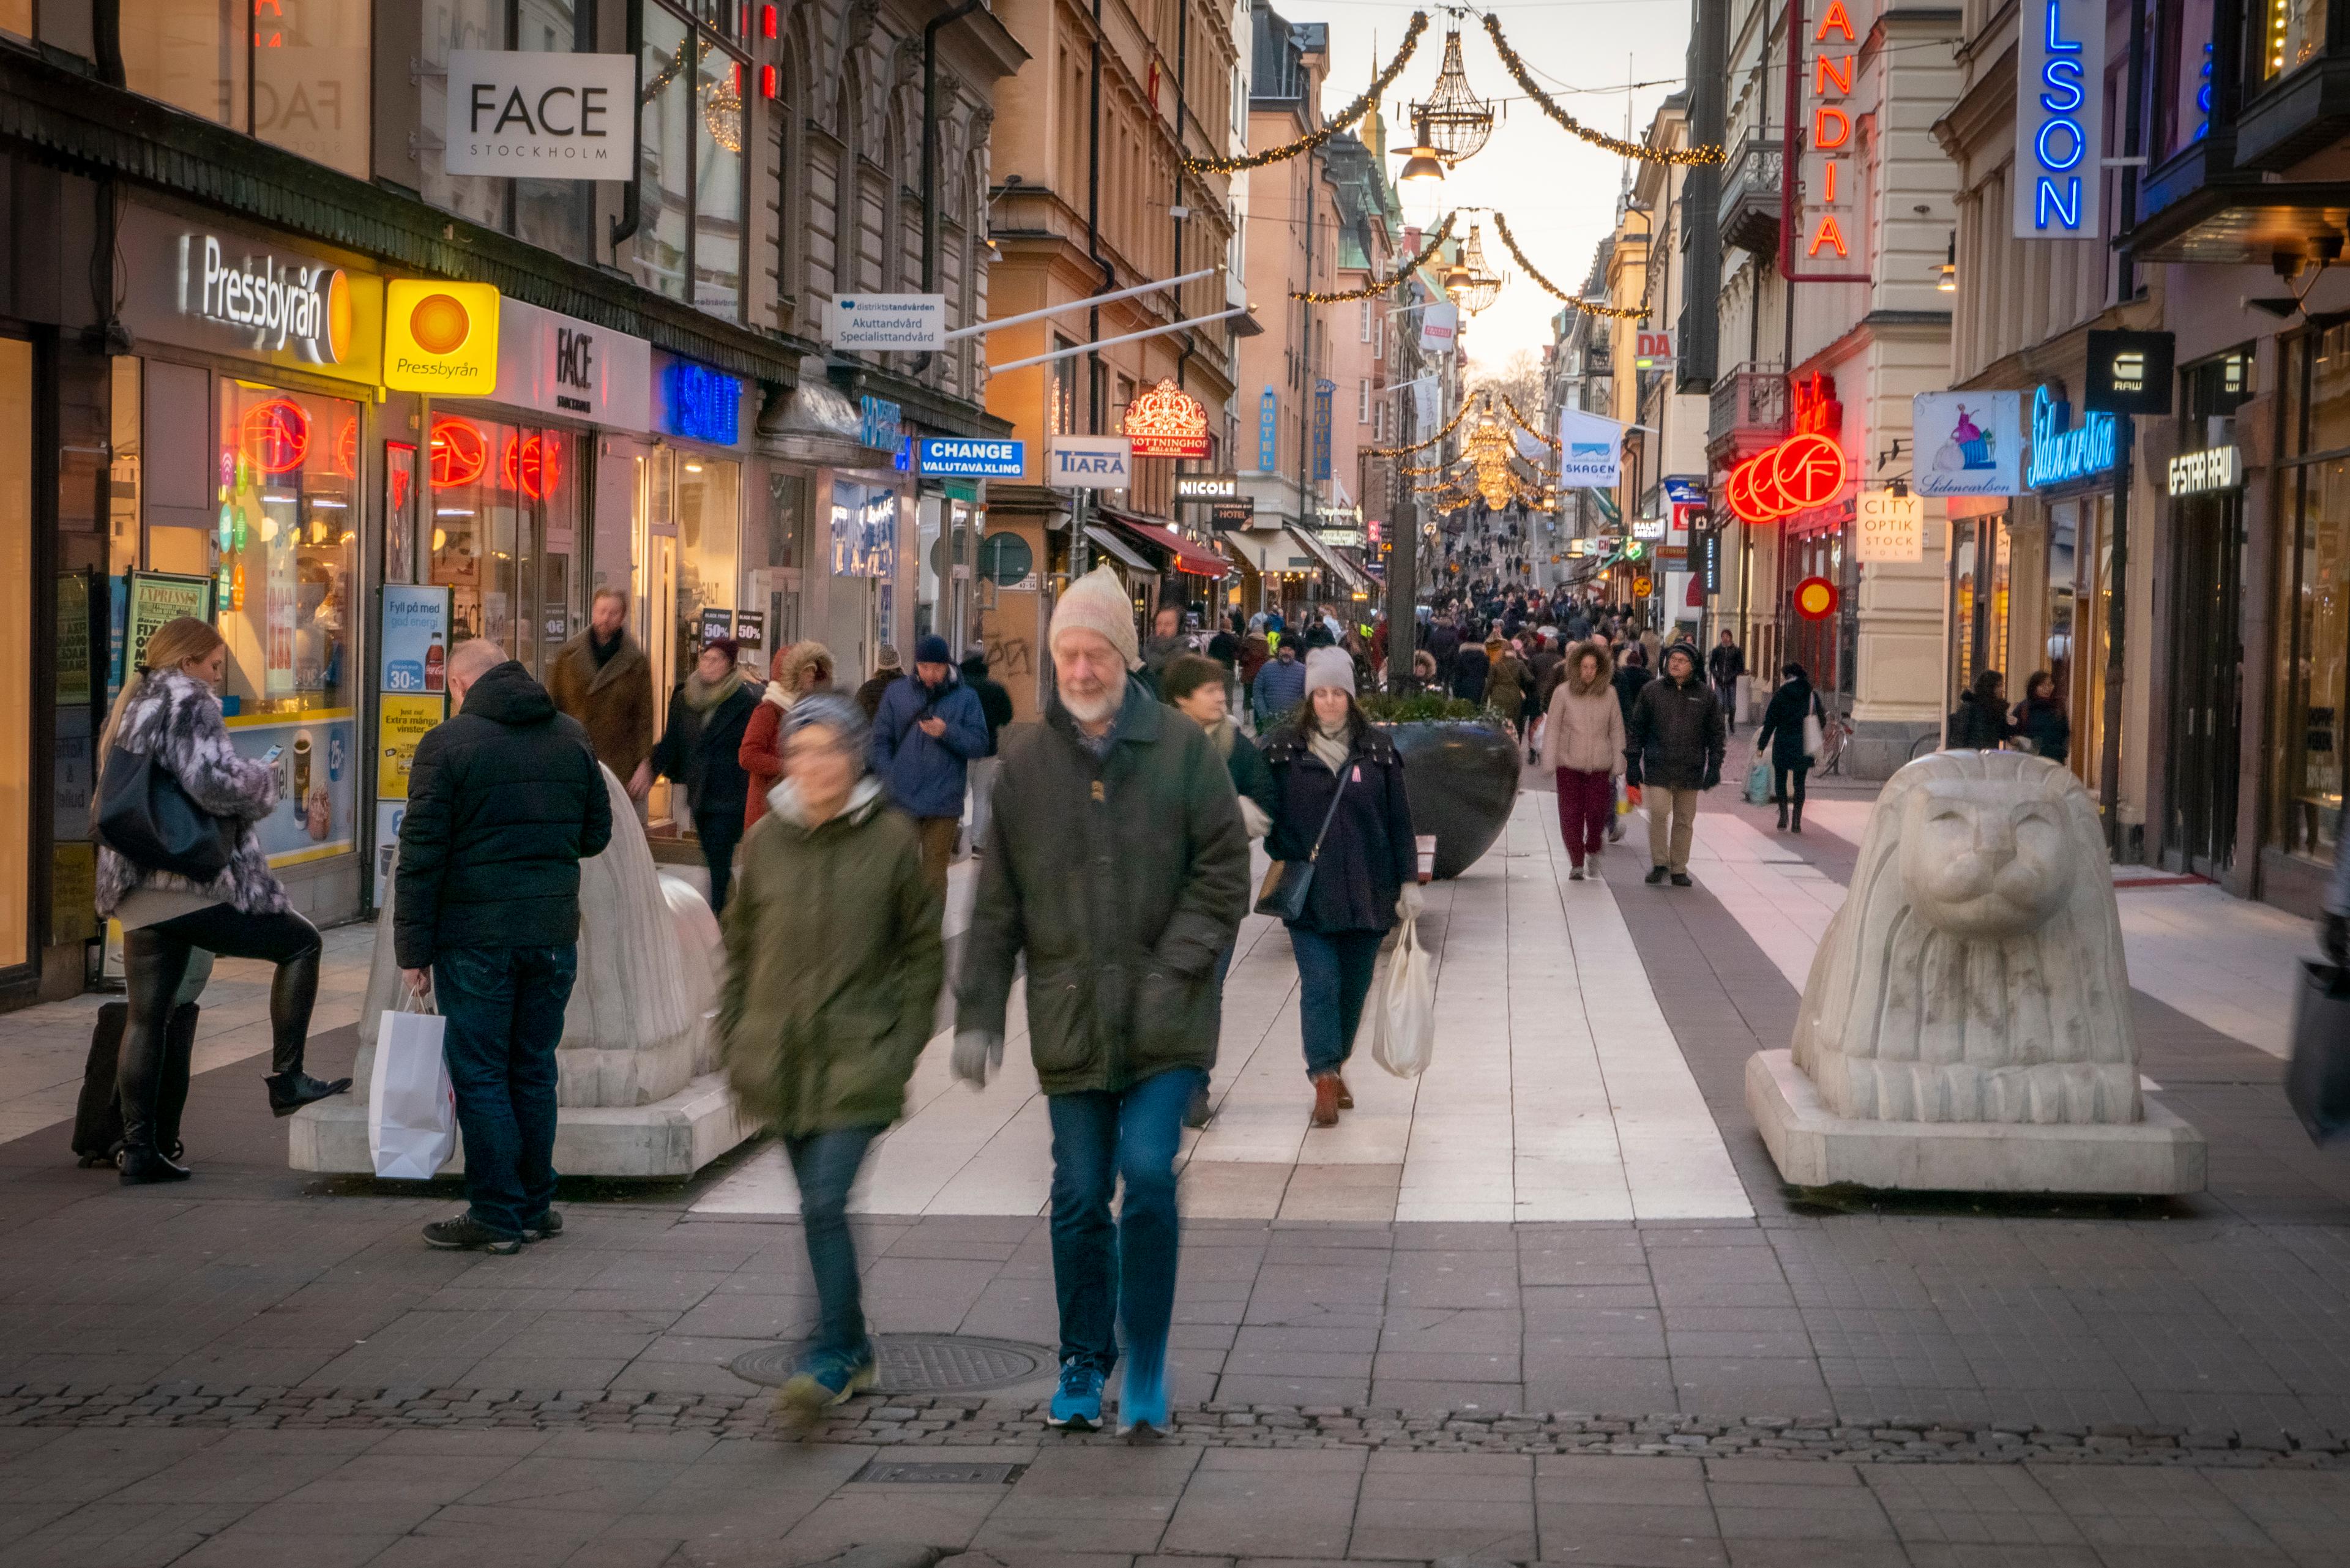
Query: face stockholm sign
541	116
2060	77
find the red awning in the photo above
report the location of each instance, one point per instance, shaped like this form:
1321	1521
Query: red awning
1196	559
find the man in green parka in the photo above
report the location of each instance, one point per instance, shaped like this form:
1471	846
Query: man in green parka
833	970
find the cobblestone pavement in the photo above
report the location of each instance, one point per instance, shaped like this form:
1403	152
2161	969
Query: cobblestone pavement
259	1366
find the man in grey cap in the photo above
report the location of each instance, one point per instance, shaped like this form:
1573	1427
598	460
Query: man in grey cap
1117	863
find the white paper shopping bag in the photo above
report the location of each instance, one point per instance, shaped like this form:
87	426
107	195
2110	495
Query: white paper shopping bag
412	1110
1403	1021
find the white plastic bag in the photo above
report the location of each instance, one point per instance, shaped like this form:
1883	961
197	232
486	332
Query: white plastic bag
1404	1028
412	1109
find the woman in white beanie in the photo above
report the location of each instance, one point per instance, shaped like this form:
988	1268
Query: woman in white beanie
1332	766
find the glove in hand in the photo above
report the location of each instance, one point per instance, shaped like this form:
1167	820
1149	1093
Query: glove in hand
1409	902
977	1052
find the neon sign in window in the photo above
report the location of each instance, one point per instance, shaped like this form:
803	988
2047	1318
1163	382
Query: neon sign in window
2060	120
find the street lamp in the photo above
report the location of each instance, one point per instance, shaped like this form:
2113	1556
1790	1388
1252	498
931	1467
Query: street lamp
1422	161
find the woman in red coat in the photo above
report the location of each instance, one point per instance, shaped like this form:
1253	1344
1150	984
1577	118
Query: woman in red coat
804	667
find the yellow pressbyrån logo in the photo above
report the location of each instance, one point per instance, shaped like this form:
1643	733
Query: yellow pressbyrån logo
441	338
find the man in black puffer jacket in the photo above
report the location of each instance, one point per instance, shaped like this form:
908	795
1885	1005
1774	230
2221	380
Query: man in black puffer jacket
504	800
1673	748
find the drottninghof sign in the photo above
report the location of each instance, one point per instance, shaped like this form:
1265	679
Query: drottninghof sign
883	321
1165	421
1088	462
441	338
966	457
1966	443
2060	79
541	116
2063	451
1889	528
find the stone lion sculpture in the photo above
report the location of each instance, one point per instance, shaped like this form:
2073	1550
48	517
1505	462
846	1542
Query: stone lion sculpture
1974	972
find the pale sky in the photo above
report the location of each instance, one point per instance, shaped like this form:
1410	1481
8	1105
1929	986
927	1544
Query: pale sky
1559	191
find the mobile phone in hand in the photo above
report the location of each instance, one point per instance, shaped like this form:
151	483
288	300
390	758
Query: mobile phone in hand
273	753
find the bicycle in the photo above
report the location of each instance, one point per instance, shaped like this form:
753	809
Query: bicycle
1834	733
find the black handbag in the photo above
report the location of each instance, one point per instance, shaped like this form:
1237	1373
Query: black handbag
2317	1077
146	816
1287	882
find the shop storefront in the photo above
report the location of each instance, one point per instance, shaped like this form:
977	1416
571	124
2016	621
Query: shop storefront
2203	766
2310	671
246	430
509	523
17	384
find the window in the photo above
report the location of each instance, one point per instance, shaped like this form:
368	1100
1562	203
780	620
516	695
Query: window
690	165
557	214
1363	403
1064	411
293	73
2182	93
2291	32
1363	322
2312	611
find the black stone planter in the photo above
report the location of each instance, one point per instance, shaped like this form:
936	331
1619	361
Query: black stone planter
1462	778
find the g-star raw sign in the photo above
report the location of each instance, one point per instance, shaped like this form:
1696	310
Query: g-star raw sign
2199	472
871	321
541	116
307	308
1089	463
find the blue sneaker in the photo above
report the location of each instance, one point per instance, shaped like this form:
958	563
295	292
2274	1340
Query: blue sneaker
825	1379
1076	1403
1142	1398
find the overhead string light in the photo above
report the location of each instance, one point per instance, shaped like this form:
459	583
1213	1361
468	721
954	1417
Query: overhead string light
1683	157
1380	285
1449	426
1612	312
1333	124
1526	425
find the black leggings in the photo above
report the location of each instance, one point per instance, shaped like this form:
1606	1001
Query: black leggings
154	962
1779	778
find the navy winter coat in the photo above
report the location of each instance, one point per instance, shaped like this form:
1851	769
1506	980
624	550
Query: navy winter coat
925	777
1369	853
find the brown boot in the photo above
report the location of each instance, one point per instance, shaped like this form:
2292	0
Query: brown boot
1346	1095
1326	1101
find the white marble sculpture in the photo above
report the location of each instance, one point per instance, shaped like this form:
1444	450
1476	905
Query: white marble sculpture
634	1032
1974	972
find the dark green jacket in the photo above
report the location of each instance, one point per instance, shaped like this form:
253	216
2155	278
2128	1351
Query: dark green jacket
833	968
1121	881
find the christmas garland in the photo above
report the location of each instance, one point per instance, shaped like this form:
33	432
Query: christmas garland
1380	285
1332	124
1685	157
1613	313
1510	409
1466	404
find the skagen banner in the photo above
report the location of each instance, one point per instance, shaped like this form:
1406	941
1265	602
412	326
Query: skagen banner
1590	451
541	116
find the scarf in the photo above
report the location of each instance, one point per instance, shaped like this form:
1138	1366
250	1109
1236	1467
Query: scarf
701	695
605	651
1333	746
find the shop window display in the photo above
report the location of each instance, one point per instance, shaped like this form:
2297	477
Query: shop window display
502	537
287	546
709	526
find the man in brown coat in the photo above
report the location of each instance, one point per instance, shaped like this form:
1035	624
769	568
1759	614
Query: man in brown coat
603	680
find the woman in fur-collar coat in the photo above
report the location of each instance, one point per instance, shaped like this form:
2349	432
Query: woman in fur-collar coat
171	710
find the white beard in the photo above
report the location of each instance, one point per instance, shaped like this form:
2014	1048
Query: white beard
1097	708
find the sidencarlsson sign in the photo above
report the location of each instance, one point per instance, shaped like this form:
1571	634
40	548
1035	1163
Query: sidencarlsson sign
541	116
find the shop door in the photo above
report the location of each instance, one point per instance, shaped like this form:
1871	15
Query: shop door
2206	657
659	631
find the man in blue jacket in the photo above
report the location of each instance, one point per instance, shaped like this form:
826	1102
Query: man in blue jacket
924	737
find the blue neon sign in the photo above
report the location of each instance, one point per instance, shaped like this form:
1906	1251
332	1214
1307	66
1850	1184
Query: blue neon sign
703	404
2060	120
2060	453
975	457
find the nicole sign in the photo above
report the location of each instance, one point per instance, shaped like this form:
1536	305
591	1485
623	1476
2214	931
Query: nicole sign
542	116
2060	78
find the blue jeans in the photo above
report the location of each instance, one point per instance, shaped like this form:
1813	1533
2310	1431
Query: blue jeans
1106	1279
505	1007
825	1165
1333	976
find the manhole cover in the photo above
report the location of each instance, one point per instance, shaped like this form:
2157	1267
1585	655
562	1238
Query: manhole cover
918	1363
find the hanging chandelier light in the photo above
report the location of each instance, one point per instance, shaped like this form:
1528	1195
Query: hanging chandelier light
1482	286
1454	120
1422	161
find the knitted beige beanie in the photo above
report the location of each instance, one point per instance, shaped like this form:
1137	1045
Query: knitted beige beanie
1098	602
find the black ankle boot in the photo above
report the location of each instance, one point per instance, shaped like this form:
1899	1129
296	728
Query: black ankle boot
1798	823
289	1092
143	1165
1783	816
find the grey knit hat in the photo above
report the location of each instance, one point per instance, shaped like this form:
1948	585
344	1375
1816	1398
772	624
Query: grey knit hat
840	714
